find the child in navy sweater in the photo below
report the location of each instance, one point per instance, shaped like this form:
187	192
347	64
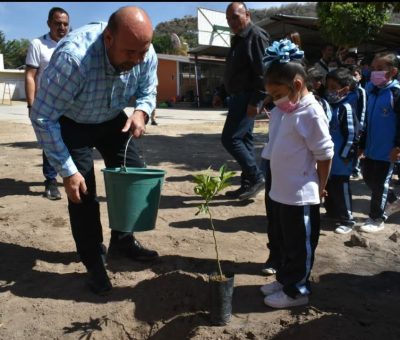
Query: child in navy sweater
380	142
343	127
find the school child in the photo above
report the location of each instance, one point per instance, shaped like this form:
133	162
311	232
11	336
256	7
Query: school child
300	160
343	127
359	103
315	82
380	142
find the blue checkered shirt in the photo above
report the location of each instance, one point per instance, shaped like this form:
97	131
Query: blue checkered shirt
81	84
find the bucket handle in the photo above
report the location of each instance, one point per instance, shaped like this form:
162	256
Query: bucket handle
123	168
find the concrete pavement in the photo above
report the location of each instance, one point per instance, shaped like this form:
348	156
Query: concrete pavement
18	113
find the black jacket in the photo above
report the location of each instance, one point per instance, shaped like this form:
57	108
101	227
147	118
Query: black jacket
244	67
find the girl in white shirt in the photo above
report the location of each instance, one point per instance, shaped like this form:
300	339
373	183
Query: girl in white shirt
300	161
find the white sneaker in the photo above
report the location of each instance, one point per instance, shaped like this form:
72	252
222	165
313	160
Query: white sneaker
281	300
343	229
372	226
271	288
392	208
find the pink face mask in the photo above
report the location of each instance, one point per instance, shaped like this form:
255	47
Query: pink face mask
286	105
378	78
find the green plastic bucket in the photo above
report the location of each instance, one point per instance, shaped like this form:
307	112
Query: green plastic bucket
133	197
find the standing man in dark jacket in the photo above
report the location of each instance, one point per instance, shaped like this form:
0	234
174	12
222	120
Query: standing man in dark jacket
244	82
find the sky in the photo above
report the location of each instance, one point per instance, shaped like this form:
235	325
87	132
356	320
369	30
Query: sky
27	20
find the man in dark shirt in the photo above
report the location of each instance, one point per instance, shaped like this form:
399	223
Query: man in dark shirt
244	83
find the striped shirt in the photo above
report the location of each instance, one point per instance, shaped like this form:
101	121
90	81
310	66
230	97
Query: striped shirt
81	84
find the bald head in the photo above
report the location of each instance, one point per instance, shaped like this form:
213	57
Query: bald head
132	20
127	37
237	16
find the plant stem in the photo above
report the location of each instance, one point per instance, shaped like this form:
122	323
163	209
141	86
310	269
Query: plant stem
215	243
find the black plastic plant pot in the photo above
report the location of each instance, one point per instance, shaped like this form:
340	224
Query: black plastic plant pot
221	298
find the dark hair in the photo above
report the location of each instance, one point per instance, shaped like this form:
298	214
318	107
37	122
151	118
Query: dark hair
314	74
351	55
326	45
354	68
342	76
390	58
55	10
367	60
279	73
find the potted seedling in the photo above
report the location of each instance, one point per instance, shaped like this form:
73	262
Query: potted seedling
221	285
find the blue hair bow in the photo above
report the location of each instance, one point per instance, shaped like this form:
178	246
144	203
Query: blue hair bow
284	51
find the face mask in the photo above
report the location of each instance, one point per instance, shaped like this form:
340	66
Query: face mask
286	105
332	97
378	78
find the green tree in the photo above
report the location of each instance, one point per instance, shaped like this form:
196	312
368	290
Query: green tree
162	43
15	53
348	24
2	42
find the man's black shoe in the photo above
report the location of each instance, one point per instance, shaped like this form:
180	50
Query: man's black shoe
98	280
236	193
130	247
51	190
252	190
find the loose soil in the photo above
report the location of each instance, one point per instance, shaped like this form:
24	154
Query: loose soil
43	295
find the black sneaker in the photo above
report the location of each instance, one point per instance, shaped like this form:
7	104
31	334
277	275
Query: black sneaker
51	189
130	247
236	193
252	190
98	280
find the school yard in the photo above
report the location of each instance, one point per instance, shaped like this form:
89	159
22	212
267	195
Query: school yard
356	277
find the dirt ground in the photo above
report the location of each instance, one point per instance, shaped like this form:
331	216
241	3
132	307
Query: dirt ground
356	289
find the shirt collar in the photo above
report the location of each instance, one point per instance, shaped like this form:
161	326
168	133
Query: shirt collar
110	70
47	36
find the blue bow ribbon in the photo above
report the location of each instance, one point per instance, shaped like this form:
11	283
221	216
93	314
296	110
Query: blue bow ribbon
284	51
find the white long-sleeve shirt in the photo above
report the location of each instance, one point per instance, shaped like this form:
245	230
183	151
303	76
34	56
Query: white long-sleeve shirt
301	139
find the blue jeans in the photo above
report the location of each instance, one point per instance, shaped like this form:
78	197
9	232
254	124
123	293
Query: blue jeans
237	137
48	171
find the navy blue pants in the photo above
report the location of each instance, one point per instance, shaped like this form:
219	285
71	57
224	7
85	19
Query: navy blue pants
377	175
80	140
274	257
237	137
297	230
48	171
339	202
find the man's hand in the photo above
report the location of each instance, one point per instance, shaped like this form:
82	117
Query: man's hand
75	185
252	111
136	124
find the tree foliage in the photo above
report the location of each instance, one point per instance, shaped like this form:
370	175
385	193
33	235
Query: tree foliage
348	24
163	44
14	51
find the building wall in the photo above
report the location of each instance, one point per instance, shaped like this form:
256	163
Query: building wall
12	81
167	83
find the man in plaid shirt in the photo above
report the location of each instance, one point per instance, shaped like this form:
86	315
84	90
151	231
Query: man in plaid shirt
92	75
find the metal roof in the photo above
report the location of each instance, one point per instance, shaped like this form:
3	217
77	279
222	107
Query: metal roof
281	24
